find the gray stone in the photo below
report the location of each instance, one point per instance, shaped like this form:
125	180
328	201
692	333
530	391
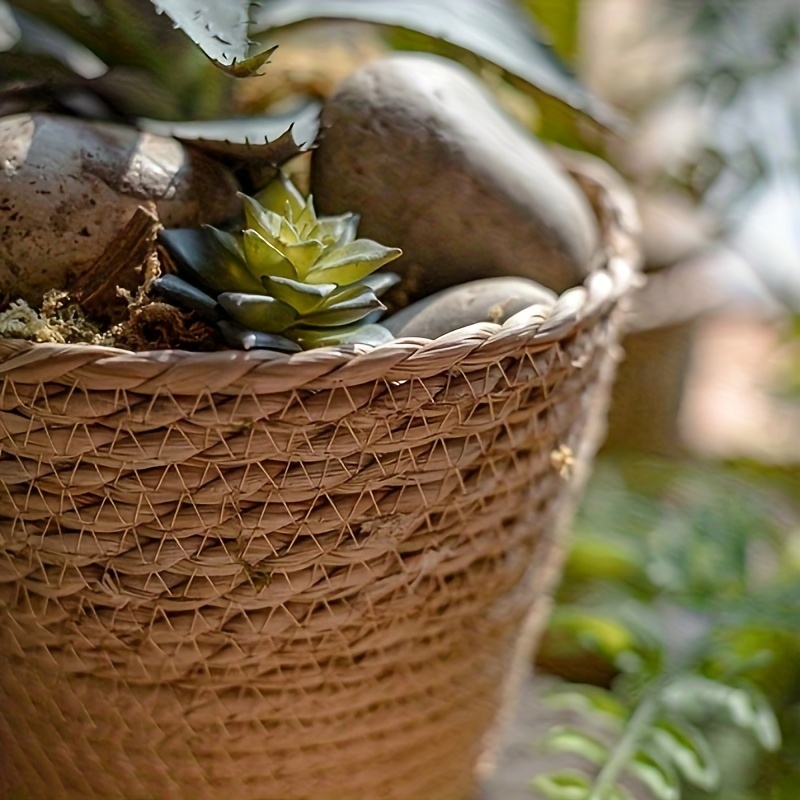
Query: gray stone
418	147
488	300
67	188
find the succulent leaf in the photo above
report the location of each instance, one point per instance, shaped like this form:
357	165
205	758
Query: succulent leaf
207	261
346	312
243	339
280	194
264	259
336	230
304	254
304	297
182	293
309	338
381	282
351	262
258	312
261	219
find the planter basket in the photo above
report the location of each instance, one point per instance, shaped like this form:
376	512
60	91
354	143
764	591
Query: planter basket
262	577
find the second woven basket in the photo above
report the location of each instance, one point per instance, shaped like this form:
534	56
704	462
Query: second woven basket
262	577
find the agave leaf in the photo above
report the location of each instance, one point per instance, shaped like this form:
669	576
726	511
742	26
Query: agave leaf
264	140
280	193
264	259
499	32
303	297
351	262
562	786
181	293
345	312
221	30
311	338
209	259
241	339
258	312
337	230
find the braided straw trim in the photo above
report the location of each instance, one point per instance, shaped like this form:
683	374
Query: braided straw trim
280	577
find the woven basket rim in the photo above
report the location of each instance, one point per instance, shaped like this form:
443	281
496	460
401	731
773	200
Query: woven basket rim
227	371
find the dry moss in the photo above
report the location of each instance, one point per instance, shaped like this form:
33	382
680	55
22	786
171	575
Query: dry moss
60	320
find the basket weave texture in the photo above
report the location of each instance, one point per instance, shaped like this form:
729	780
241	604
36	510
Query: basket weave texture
268	577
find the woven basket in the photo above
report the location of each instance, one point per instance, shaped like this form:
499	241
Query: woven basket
262	577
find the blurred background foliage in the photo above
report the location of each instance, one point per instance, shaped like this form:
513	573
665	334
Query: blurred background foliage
687	547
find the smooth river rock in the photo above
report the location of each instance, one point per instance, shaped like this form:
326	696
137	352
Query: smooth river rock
418	147
68	186
487	300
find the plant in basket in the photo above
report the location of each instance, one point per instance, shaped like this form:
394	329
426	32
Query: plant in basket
281	473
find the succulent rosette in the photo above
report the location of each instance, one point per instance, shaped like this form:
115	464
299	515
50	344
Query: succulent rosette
290	280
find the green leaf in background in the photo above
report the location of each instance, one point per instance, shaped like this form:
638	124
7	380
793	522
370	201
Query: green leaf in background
562	786
689	751
494	30
693	695
658	777
568	739
592	702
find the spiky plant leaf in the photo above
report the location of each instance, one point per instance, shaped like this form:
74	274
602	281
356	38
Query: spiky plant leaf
498	32
220	29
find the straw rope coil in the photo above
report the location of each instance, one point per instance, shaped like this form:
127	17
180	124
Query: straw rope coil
269	577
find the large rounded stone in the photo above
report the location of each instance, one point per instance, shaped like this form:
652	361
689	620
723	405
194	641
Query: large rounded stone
67	188
420	150
488	300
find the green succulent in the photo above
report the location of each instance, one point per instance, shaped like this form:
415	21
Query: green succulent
289	280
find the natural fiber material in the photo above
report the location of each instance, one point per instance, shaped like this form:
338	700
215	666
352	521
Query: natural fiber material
262	577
